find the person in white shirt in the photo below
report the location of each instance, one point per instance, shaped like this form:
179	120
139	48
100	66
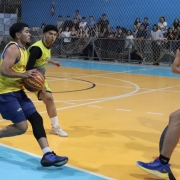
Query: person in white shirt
83	23
129	40
156	37
162	25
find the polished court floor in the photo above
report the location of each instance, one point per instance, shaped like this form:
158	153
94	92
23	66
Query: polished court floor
114	115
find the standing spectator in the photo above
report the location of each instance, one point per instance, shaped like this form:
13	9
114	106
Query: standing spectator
170	37
78	16
146	24
103	24
59	22
175	24
162	25
140	36
137	22
91	24
120	40
135	30
68	23
156	37
83	23
129	40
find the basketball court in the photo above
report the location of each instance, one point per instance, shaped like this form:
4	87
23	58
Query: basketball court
114	115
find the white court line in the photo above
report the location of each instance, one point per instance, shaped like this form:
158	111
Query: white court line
113	98
95	106
64	102
124	110
155	113
73	167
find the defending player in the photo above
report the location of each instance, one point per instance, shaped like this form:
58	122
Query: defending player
160	166
39	55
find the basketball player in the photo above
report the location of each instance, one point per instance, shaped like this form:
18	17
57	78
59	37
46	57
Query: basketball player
160	166
14	104
39	55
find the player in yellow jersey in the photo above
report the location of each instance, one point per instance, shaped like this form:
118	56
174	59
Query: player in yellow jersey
39	55
14	104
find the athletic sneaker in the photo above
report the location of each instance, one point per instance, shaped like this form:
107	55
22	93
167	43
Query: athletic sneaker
51	159
58	131
155	168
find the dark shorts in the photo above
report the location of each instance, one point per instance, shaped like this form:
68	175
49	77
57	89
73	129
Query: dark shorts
16	106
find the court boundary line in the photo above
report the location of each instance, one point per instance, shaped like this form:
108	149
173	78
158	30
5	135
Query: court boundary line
70	166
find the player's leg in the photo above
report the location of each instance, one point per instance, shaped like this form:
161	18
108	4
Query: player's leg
48	100
10	109
49	158
160	167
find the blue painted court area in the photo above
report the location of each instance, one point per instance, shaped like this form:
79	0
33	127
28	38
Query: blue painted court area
118	67
17	165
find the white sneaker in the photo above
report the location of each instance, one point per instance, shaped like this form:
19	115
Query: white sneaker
58	131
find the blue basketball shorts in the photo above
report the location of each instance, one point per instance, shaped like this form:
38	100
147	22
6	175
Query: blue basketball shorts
16	106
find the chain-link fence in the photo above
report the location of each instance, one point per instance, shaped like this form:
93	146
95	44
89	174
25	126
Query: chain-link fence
113	30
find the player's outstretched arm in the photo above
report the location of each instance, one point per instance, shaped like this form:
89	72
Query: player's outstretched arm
56	63
176	63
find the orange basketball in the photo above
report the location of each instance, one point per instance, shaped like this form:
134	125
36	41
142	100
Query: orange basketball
34	84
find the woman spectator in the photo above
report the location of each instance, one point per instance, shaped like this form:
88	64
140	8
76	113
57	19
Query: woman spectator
175	24
137	22
120	40
162	25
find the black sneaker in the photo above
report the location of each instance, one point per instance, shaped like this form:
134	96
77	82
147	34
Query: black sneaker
51	159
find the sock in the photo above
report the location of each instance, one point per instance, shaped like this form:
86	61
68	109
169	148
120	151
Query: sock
46	149
54	121
164	160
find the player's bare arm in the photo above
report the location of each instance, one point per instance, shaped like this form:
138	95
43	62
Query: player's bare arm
54	62
176	63
10	57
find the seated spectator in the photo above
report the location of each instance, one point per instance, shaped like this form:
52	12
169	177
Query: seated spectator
68	23
175	25
73	32
59	22
66	34
41	28
95	32
81	33
141	33
111	33
75	23
83	23
87	32
135	30
137	22
146	24
162	25
91	24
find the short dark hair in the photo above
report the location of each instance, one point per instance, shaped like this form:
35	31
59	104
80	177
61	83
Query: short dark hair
17	27
50	27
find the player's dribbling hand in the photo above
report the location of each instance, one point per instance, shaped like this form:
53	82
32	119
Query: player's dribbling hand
57	64
30	73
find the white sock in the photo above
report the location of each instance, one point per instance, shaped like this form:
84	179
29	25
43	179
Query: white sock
54	121
46	149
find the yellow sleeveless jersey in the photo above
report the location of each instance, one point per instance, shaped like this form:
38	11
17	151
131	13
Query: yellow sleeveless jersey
46	54
13	84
